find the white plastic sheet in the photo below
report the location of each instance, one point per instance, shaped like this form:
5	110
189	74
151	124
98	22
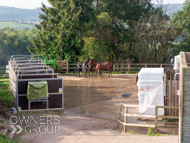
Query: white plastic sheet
176	62
151	90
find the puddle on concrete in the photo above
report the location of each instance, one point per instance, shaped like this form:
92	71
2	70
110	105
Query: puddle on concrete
126	95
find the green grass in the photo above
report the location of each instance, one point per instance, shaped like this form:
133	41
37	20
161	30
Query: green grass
171	120
2	120
132	132
6	97
150	132
15	26
2	71
4	139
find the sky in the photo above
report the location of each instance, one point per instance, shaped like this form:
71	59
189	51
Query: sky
31	4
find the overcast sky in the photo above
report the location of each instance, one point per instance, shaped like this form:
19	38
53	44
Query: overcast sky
31	4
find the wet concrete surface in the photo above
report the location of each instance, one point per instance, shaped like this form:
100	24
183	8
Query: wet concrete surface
84	91
101	98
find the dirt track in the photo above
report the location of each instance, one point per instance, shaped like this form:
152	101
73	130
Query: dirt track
77	129
91	109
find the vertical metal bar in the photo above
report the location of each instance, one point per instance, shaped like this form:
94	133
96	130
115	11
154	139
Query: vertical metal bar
62	96
17	101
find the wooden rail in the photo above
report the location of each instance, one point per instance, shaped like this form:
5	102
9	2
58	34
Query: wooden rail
62	65
131	67
156	117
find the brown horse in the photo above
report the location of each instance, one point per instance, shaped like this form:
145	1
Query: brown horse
92	65
105	65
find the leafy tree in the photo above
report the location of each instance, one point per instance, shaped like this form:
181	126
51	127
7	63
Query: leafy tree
96	43
63	26
123	15
155	38
181	22
14	43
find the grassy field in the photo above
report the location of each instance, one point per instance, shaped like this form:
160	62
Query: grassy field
15	26
6	97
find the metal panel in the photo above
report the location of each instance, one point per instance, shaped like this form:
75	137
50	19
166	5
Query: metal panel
19	86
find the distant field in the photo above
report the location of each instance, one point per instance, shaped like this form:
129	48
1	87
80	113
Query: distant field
15	26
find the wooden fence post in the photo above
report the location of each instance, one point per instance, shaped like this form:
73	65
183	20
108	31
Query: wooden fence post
173	98
170	96
67	67
129	67
114	68
156	116
119	116
125	119
145	65
176	97
156	120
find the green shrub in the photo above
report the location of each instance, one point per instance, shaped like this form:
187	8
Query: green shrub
150	132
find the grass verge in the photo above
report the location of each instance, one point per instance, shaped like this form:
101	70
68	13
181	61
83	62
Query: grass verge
4	139
6	98
150	132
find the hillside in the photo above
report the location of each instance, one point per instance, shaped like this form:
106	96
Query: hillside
11	13
17	18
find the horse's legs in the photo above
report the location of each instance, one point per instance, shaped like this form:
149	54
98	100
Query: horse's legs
109	74
99	73
110	71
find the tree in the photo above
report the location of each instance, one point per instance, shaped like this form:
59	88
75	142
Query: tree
123	14
181	22
63	26
97	41
14	43
156	37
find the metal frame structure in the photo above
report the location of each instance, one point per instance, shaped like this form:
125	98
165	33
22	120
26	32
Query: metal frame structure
22	70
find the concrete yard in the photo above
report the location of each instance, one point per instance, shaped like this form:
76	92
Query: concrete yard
91	110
